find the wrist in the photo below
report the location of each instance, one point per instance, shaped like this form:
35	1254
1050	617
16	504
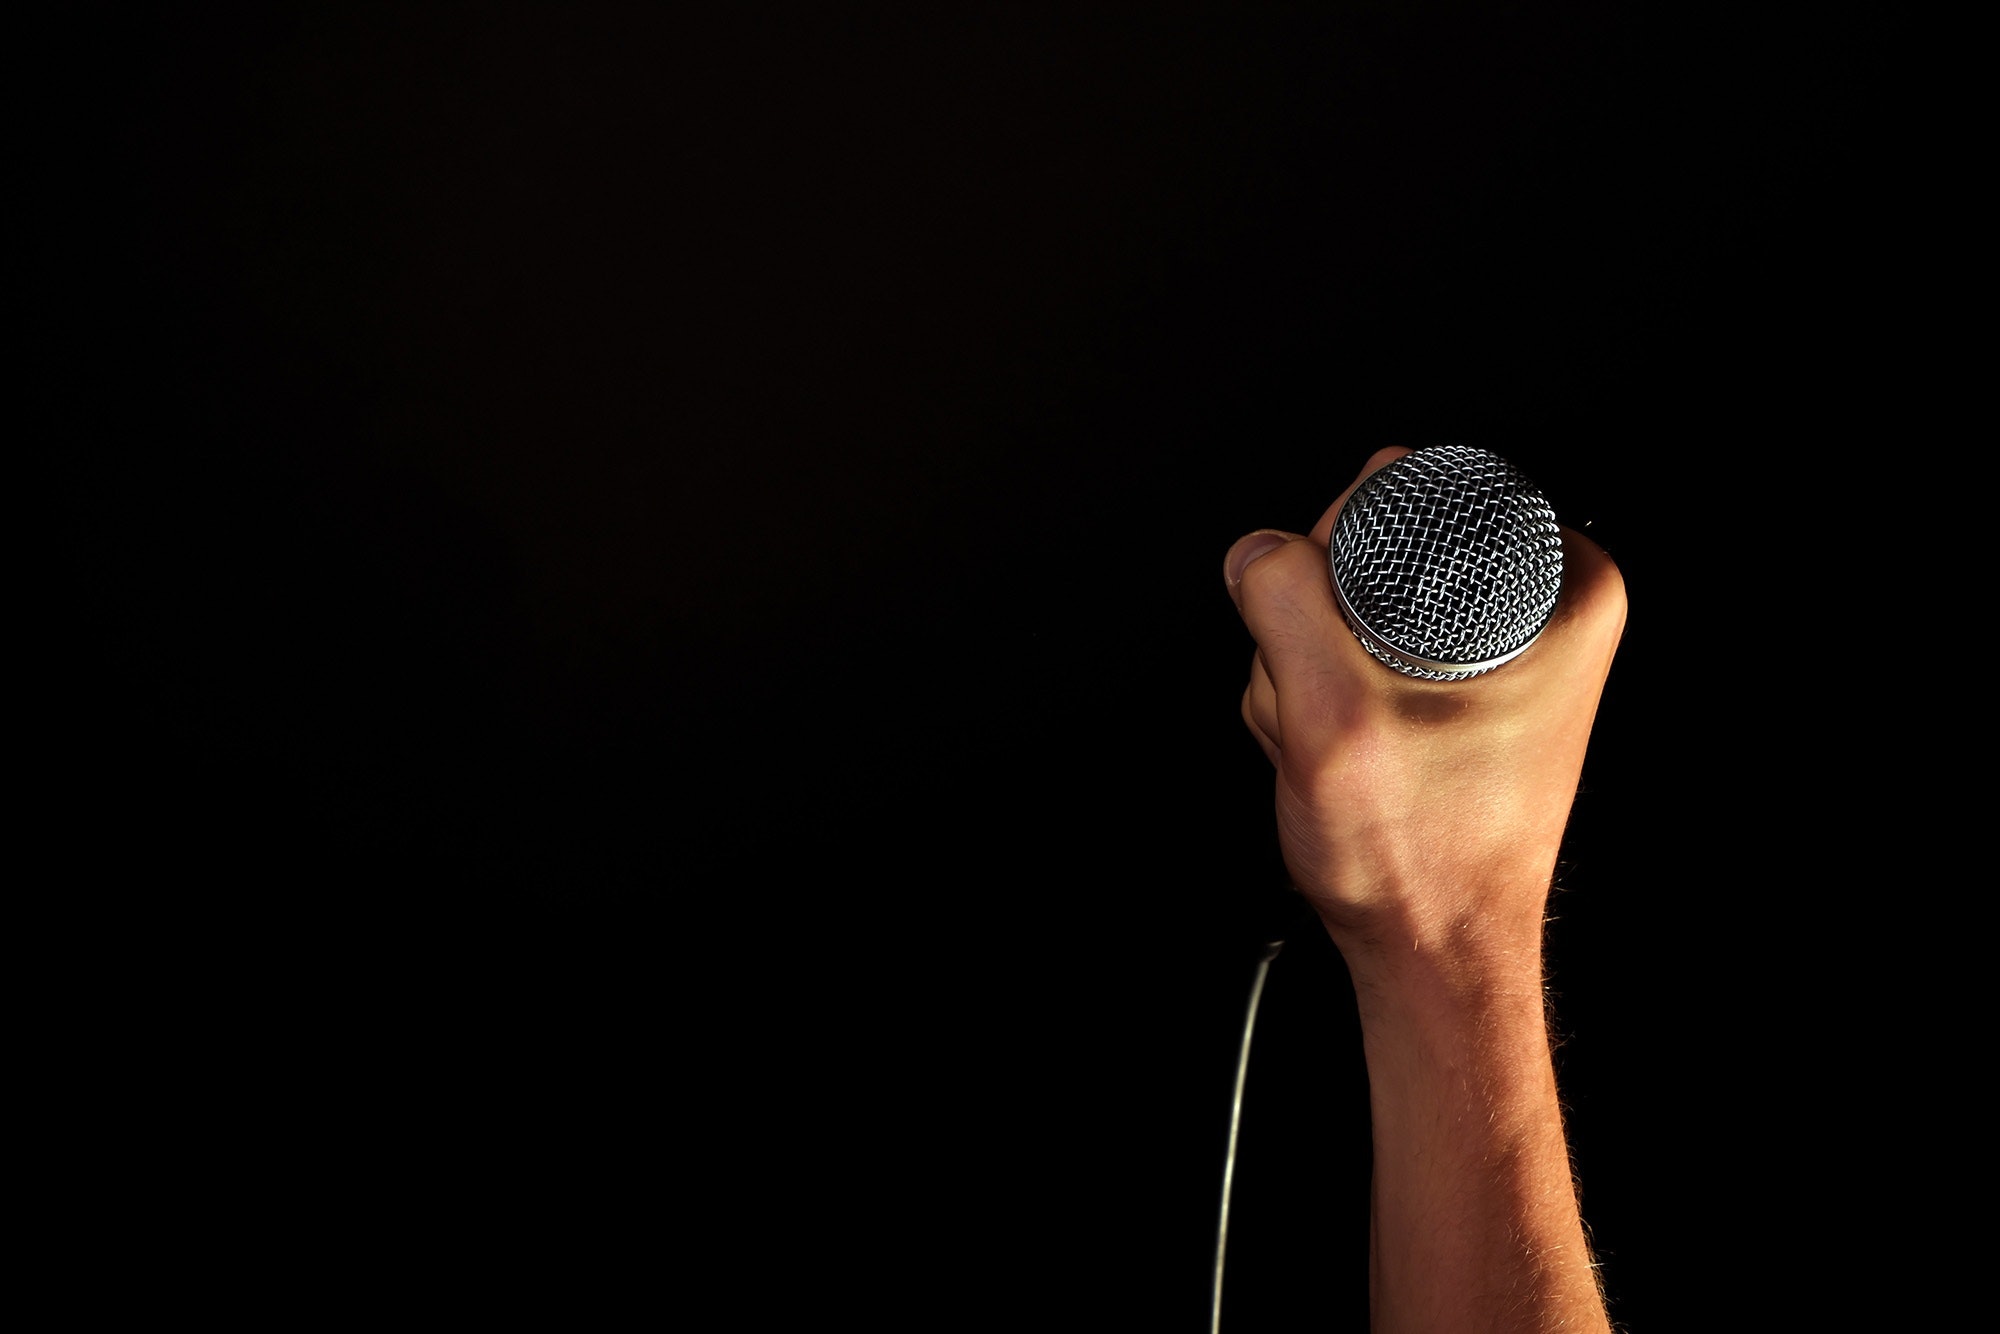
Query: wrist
1472	968
1458	1028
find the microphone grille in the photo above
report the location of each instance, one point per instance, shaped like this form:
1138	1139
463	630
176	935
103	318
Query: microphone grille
1447	562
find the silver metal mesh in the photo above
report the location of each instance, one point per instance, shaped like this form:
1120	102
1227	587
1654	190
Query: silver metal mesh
1447	562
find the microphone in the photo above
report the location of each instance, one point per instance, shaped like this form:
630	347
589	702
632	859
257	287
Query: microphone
1446	562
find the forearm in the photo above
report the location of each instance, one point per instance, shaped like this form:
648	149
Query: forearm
1475	1218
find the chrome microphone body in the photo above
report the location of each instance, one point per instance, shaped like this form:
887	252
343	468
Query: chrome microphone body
1447	562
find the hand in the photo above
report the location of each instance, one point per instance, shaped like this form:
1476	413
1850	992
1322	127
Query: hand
1419	815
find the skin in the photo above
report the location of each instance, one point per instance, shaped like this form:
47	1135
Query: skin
1422	821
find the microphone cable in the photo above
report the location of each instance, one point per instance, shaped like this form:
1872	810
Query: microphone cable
1263	969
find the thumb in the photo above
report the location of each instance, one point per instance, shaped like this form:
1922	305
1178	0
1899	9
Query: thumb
1283	588
1249	548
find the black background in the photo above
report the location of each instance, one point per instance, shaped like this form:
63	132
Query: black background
651	623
